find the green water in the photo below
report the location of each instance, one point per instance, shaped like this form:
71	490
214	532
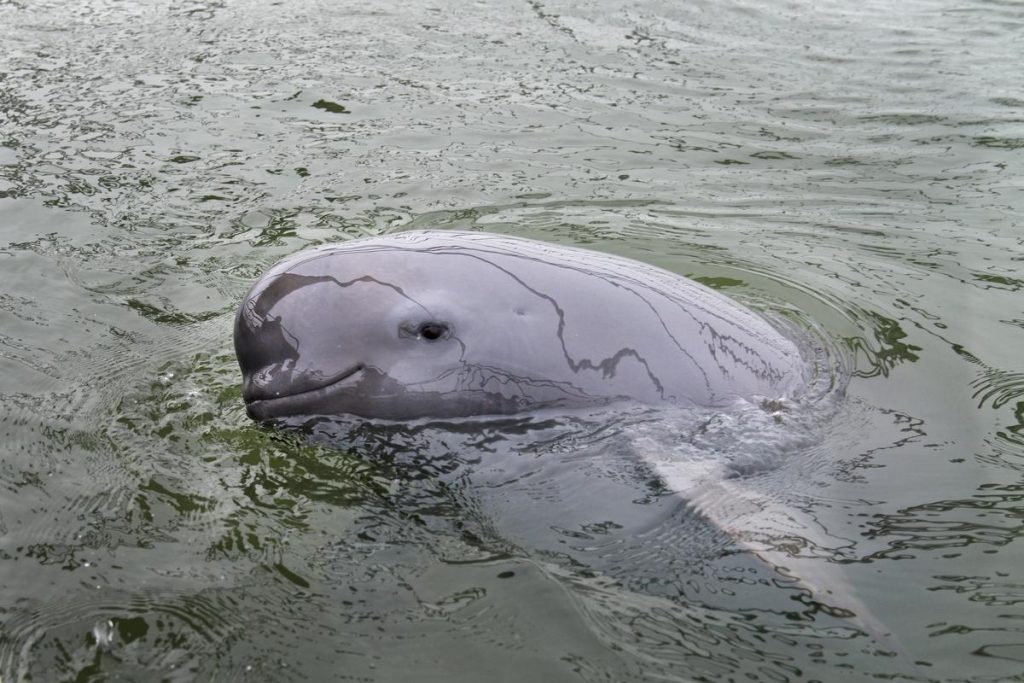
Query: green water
853	165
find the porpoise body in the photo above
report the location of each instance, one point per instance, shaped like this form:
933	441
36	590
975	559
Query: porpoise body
444	324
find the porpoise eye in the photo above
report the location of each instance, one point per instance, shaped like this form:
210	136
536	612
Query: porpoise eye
433	331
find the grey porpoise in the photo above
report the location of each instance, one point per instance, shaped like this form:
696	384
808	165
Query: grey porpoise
443	324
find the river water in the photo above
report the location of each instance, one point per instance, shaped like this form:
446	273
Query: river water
852	166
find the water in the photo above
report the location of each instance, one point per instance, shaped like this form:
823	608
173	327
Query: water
854	167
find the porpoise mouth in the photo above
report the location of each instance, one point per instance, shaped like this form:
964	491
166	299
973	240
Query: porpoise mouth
309	392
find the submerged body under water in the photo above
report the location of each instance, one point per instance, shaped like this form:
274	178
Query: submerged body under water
703	515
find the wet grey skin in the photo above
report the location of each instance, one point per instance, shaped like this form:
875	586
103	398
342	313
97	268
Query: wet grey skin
441	324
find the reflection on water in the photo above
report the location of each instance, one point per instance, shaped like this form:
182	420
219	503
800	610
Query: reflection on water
849	169
889	349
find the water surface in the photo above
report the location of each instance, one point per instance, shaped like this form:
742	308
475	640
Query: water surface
853	167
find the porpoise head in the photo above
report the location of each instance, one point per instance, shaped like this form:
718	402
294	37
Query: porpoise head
396	332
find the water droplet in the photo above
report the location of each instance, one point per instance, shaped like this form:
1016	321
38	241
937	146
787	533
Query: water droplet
103	632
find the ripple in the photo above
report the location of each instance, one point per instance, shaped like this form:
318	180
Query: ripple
1000	389
117	634
988	518
682	642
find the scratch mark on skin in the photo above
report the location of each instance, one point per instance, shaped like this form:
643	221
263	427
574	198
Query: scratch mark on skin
575	366
281	282
606	366
718	341
652	336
